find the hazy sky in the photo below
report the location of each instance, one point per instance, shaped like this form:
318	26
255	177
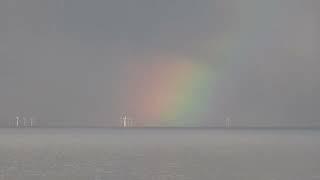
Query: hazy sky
78	62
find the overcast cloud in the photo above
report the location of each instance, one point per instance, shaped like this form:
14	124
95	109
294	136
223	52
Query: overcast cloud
64	61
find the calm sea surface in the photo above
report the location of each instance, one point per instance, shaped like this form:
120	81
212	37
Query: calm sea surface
159	154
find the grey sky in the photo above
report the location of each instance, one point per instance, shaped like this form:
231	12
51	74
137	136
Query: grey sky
63	61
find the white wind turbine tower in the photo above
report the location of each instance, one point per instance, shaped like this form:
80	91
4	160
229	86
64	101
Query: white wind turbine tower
125	121
17	121
31	122
24	121
228	122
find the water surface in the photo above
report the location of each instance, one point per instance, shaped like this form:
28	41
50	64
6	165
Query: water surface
159	154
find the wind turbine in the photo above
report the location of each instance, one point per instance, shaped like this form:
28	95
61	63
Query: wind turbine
227	122
125	121
31	121
24	121
17	121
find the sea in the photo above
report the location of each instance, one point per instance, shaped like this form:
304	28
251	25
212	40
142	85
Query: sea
159	154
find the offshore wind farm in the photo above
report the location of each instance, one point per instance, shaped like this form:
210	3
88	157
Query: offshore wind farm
159	89
23	122
130	151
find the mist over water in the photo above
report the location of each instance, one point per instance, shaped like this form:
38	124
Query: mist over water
159	154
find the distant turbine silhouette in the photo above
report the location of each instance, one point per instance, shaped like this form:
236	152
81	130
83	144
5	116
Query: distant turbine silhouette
125	121
17	121
227	122
31	122
24	121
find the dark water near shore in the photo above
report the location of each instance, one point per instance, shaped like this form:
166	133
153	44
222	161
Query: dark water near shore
160	154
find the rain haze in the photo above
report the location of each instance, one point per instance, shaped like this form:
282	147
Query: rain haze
166	63
79	78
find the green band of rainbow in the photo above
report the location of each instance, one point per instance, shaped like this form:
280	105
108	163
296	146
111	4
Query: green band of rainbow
176	92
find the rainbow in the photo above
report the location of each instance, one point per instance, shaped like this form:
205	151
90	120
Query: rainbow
177	90
174	91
